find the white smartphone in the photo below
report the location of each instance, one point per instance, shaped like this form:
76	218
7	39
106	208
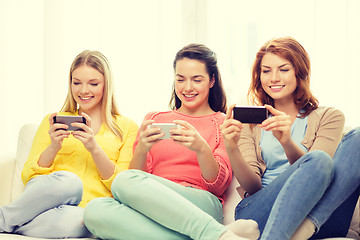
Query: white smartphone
70	119
251	114
165	128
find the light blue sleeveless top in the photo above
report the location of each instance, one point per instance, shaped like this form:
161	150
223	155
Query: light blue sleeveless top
273	153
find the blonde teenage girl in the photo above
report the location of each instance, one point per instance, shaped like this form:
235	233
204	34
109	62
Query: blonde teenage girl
65	170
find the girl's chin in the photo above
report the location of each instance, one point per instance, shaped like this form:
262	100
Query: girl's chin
85	107
190	107
90	107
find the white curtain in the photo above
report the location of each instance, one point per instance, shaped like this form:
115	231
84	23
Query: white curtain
40	38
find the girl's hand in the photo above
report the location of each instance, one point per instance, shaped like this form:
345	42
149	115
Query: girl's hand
87	136
57	132
279	124
148	136
188	136
231	129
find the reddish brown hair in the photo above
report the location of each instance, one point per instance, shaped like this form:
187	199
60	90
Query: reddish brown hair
294	52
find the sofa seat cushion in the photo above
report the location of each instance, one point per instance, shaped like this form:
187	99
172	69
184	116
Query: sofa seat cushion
4	236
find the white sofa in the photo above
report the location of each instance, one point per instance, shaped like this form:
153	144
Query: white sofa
11	185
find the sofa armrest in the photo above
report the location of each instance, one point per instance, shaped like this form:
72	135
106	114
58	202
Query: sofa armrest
26	136
7	167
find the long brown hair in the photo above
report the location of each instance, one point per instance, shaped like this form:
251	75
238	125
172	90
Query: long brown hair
217	96
98	61
293	51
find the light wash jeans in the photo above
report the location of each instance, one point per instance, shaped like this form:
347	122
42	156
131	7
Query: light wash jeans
47	208
315	186
333	213
153	208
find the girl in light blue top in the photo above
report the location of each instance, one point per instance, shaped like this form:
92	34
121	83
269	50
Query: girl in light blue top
297	182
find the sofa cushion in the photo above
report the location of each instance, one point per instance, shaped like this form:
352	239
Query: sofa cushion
26	136
354	230
7	164
4	236
232	199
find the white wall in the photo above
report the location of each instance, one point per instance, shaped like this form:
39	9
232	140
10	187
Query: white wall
40	38
136	36
329	31
21	67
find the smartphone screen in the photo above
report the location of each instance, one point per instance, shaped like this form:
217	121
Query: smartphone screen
251	114
165	128
70	119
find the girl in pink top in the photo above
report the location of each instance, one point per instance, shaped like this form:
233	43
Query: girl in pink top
176	187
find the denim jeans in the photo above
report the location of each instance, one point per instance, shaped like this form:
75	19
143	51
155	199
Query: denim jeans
47	208
281	206
333	213
149	207
315	186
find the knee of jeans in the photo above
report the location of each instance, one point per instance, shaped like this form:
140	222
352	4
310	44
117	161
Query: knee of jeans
93	213
126	182
97	213
126	178
72	226
67	185
353	134
61	222
323	164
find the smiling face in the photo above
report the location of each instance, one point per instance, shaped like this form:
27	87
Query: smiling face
87	88
278	78
192	86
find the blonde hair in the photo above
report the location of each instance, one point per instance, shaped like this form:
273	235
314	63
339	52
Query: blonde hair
109	110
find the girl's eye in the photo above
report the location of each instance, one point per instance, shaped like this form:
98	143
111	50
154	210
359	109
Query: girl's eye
94	84
76	83
284	70
179	80
265	71
197	80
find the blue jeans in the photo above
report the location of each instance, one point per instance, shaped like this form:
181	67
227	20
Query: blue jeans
333	213
314	186
281	206
149	207
47	208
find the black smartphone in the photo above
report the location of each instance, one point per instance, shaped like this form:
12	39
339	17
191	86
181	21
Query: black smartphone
251	114
70	119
